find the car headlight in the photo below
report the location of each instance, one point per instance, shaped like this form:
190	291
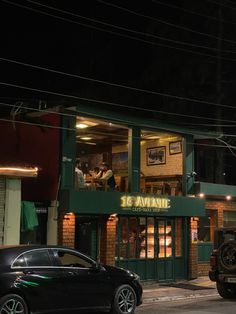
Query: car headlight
133	275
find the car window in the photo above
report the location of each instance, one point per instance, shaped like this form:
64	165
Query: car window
33	258
70	259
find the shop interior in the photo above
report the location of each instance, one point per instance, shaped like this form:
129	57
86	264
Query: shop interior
161	164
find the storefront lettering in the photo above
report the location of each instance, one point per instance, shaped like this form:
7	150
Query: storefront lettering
144	203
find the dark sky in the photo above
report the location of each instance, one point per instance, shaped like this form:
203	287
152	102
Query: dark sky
176	49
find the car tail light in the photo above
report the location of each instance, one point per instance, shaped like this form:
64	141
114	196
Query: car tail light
213	261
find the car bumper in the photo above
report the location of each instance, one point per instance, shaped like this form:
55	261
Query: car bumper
228	278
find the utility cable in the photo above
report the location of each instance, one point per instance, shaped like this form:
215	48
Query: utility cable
191	12
128	29
117	85
119	34
164	22
109	103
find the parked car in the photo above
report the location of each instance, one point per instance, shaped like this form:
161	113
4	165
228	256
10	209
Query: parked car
223	262
41	279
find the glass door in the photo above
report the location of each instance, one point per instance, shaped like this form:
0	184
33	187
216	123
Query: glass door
165	249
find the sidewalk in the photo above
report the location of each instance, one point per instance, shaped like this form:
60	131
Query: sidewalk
184	289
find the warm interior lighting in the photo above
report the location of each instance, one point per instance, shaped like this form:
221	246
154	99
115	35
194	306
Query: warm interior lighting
81	126
86	138
201	195
228	197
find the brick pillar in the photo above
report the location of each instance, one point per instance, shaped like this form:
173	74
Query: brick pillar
193	254
108	241
66	229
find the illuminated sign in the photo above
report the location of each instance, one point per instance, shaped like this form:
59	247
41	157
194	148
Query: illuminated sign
145	203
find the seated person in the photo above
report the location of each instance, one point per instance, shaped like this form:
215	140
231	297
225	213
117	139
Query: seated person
79	177
107	175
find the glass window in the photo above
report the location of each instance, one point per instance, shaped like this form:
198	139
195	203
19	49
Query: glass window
150	238
99	141
34	258
165	238
69	259
229	218
206	226
142	237
19	262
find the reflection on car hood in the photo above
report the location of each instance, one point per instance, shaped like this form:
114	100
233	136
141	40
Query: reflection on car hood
117	271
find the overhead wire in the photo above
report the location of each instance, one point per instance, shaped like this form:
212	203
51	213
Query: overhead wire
119	34
109	103
164	22
117	85
130	30
191	12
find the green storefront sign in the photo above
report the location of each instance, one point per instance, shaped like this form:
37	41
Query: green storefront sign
99	202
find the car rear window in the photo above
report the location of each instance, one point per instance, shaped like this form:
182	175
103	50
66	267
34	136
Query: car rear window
33	259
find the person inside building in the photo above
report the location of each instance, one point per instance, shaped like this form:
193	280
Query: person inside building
107	175
79	176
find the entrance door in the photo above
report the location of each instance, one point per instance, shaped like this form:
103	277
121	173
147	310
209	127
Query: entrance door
86	233
165	250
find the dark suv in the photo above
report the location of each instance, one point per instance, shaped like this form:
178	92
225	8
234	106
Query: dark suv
223	262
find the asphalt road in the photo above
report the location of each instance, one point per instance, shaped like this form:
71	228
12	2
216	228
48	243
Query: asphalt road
203	305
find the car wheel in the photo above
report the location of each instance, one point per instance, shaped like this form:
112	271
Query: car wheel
226	290
227	255
13	304
124	300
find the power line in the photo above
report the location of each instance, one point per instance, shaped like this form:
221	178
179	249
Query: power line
191	12
164	22
118	34
128	29
108	103
222	4
117	85
74	129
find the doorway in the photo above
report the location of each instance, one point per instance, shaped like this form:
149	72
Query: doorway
86	235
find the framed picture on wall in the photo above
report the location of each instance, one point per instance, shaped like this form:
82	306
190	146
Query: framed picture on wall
175	147
156	155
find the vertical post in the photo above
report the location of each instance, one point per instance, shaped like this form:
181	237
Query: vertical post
134	159
188	165
12	212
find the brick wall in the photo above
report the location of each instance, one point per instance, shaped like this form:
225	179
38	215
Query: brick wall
108	241
220	206
193	273
66	230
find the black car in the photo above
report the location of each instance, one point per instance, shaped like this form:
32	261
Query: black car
42	279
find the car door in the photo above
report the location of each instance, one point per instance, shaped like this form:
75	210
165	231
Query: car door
87	286
39	280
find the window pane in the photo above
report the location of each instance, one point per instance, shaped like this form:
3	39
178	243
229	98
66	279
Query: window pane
204	229
142	238
20	262
133	237
168	241
38	258
69	259
150	237
229	219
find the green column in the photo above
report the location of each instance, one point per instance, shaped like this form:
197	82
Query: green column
188	164
68	151
134	159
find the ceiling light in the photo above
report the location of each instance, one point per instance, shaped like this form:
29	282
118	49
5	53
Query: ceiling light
81	126
201	195
86	138
228	197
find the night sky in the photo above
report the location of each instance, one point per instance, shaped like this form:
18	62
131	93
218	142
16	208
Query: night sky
173	56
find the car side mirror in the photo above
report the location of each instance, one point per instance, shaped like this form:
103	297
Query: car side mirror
97	267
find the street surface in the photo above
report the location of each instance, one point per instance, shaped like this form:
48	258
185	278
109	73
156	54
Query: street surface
203	305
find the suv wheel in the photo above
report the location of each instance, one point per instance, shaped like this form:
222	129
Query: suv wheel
226	290
227	255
